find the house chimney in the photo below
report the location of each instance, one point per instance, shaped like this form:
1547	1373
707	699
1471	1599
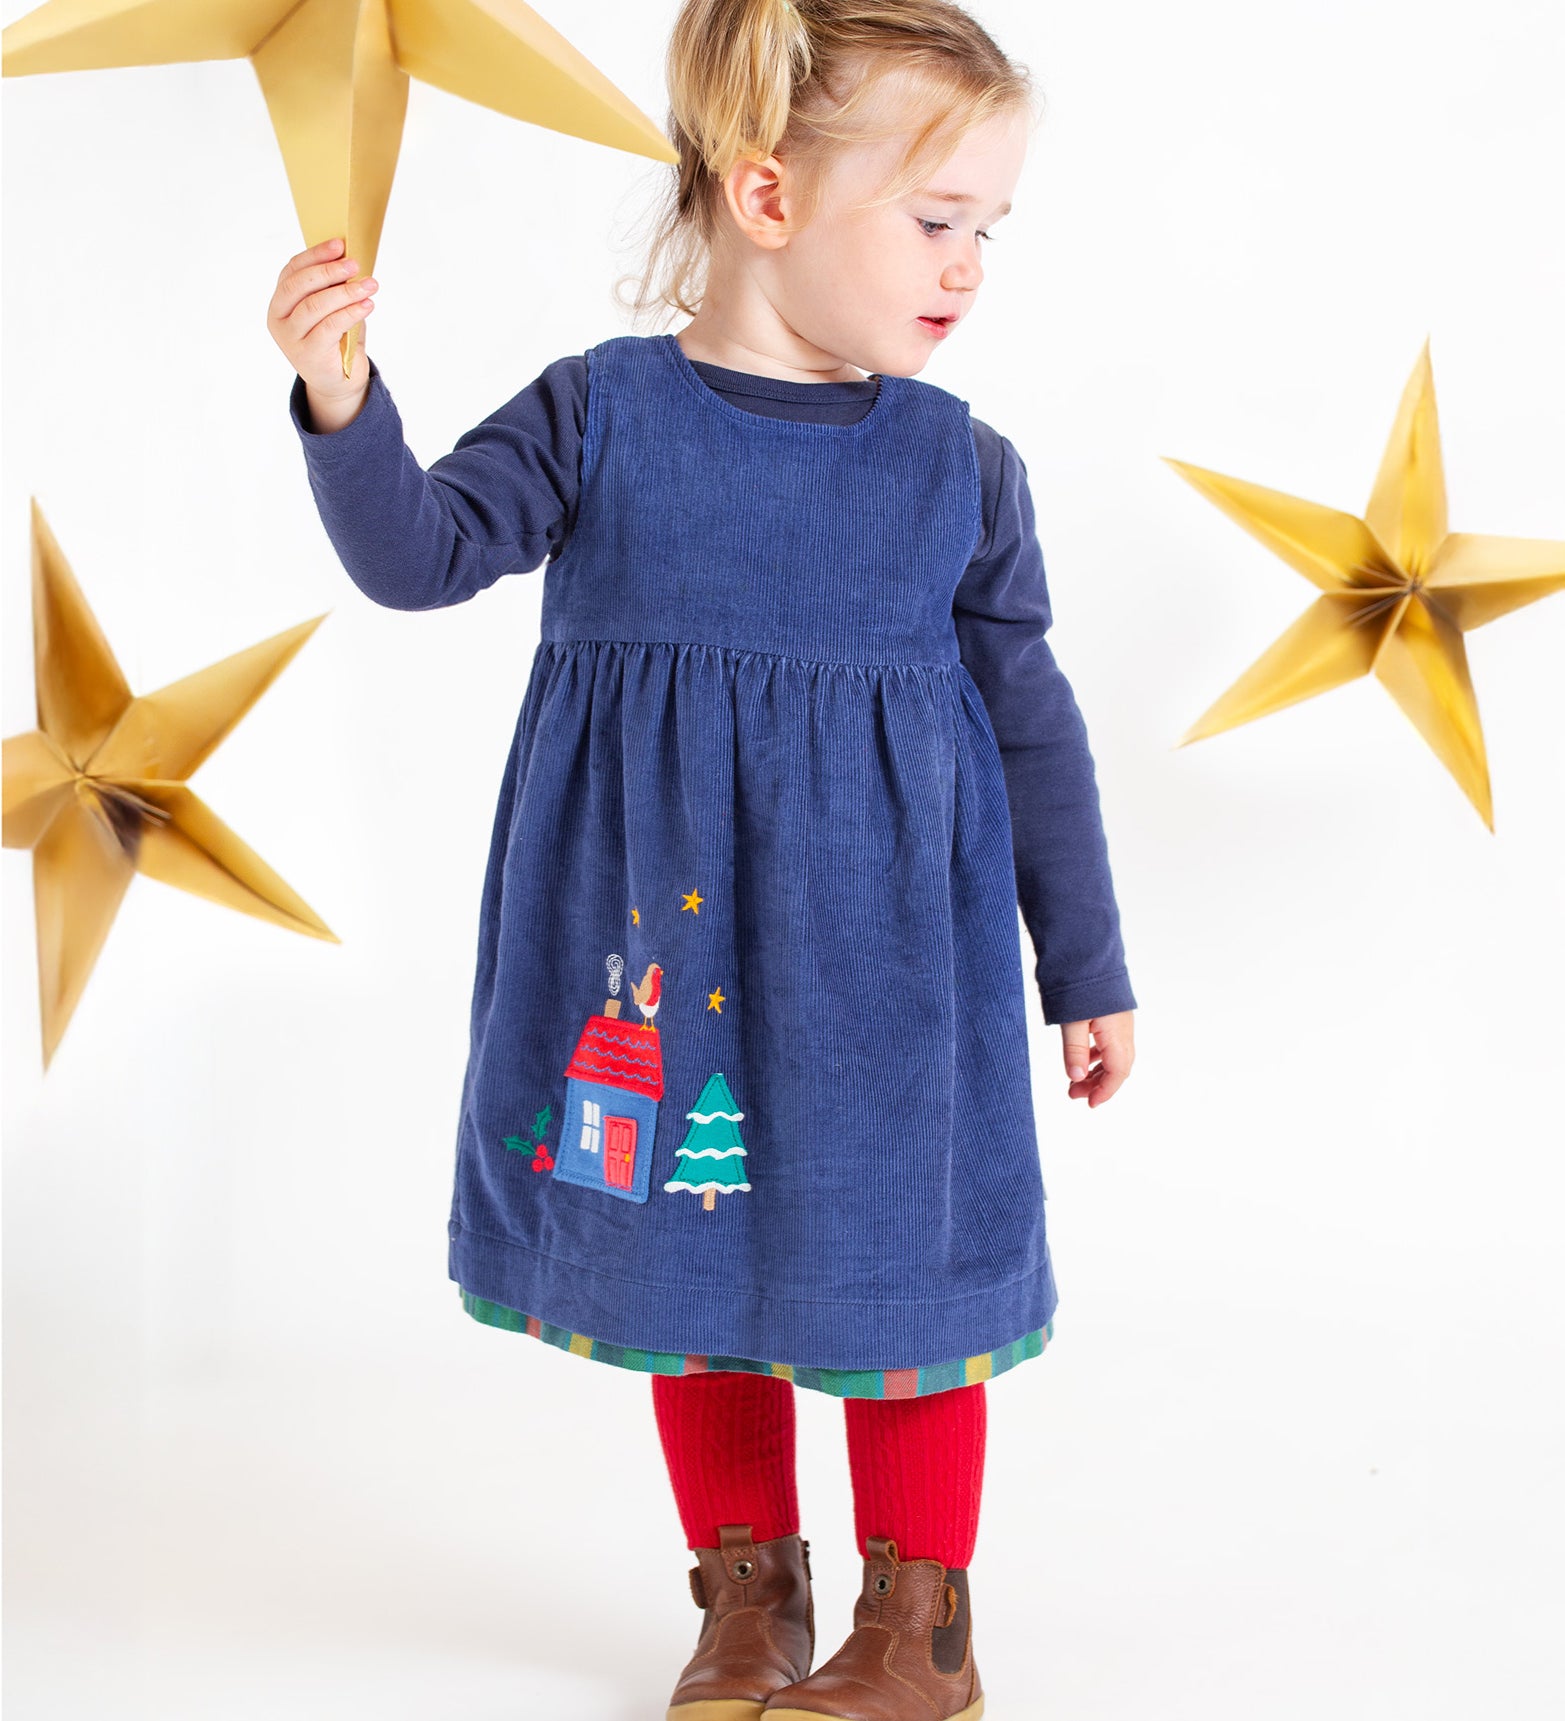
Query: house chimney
611	1008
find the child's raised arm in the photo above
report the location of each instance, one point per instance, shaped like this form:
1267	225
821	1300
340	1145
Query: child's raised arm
500	502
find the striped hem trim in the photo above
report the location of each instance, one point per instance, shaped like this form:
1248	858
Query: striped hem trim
839	1382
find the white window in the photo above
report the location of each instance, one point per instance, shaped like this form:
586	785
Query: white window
591	1126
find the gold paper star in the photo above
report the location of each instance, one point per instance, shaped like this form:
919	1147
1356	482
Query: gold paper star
335	77
97	790
1399	593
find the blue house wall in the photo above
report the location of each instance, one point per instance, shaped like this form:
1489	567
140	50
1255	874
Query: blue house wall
579	1164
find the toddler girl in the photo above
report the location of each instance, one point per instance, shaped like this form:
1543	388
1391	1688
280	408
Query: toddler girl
747	1106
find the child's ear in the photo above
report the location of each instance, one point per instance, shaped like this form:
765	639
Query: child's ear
756	195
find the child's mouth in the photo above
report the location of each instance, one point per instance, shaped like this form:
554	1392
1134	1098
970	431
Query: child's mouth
937	326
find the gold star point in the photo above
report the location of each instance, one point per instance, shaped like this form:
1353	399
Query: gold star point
97	790
1398	591
335	77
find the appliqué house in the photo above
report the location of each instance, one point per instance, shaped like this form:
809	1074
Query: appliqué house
613	1084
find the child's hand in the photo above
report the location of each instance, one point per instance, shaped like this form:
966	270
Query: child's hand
1115	1036
317	299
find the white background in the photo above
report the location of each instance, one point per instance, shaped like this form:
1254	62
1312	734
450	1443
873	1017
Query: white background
1296	1446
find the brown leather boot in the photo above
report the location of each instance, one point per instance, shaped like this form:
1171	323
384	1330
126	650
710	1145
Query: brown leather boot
909	1657
758	1632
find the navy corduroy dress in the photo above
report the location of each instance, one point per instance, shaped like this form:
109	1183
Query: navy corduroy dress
749	970
748	1078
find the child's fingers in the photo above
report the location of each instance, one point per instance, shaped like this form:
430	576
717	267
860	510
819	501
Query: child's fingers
323	337
1108	1077
1106	1092
1099	1084
311	269
1112	1079
1077	1048
327	249
298	286
311	331
1114	1052
332	302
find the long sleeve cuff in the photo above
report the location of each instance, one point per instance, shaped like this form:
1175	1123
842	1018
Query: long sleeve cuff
1086	999
376	428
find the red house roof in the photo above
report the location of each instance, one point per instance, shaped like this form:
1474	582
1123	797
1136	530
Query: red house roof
619	1054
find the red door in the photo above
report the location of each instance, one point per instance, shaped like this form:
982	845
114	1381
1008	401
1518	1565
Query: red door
619	1150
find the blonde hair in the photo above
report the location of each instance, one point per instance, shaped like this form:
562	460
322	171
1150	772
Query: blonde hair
804	80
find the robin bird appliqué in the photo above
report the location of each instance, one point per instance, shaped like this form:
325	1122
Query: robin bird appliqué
648	993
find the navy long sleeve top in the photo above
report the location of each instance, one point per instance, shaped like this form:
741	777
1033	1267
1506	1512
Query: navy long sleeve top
503	502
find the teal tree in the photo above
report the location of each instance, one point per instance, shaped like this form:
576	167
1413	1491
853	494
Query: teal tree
711	1154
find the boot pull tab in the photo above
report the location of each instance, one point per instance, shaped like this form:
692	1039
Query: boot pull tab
737	1546
697	1587
881	1561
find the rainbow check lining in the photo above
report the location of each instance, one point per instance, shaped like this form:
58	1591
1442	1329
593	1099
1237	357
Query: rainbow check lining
839	1382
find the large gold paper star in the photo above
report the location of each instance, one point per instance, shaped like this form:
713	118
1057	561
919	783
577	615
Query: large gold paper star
97	790
335	77
1400	591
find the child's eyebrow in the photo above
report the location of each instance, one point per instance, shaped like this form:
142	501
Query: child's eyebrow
961	197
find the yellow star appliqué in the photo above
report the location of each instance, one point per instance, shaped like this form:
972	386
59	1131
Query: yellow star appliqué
714	1001
635	917
693	901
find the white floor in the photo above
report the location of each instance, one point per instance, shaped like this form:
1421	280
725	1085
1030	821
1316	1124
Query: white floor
1186	1529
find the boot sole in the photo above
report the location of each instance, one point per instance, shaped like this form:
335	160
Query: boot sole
970	1713
718	1709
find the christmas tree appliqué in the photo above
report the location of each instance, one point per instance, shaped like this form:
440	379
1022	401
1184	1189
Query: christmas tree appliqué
711	1155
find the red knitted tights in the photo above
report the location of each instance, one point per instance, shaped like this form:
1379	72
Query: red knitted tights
916	1463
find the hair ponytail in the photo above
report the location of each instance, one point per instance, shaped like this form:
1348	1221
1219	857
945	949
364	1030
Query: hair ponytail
732	69
805	79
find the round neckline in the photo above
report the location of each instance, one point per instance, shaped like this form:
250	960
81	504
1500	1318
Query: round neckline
686	369
785	388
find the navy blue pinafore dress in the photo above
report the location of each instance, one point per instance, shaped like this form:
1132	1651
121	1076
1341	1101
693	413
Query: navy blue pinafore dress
748	1085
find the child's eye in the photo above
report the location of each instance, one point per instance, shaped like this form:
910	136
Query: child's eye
929	224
